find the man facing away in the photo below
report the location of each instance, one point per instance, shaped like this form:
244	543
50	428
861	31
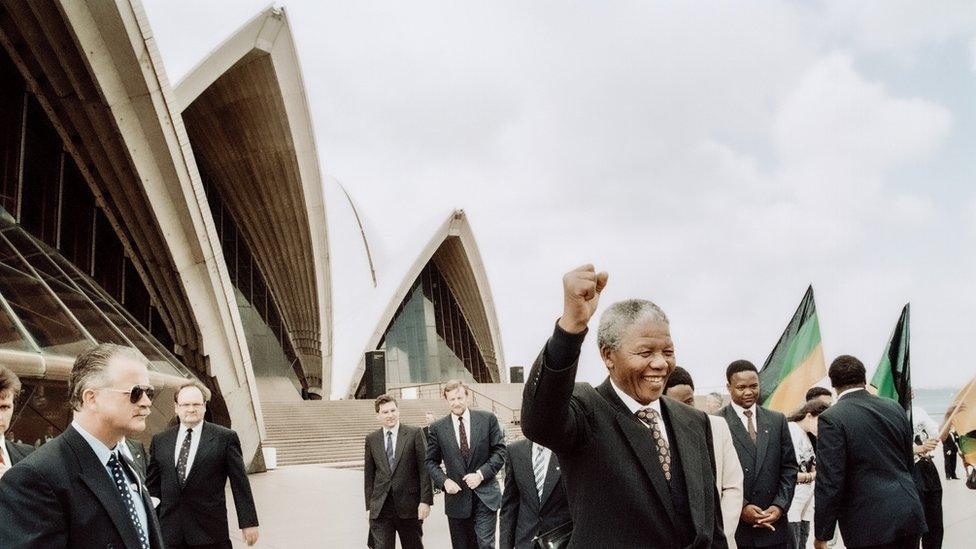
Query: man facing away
681	387
398	494
534	501
864	468
472	446
77	491
189	466
762	441
10	452
638	467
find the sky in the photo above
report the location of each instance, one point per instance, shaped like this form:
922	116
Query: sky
714	157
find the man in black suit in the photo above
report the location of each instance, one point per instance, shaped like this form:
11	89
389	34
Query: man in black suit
472	446
398	495
10	452
638	467
950	447
189	466
136	452
765	449
76	491
534	501
864	467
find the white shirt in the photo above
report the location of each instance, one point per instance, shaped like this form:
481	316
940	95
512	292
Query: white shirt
3	449
394	430
635	406
103	453
923	428
803	494
848	391
194	444
467	426
740	411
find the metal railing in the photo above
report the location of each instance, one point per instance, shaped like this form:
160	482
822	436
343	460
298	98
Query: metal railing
434	391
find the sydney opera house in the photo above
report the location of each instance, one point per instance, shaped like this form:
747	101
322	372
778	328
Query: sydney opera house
194	222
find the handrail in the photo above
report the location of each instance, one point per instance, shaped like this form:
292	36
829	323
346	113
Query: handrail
514	414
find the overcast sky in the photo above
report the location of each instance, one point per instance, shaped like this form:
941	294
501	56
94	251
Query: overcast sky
713	157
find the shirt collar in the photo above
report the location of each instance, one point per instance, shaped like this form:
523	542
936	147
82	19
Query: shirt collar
196	428
101	451
466	415
849	391
740	411
395	429
632	404
536	447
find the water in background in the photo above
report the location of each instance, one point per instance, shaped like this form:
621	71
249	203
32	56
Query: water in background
934	401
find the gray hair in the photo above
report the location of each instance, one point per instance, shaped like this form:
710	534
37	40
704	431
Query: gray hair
622	315
89	369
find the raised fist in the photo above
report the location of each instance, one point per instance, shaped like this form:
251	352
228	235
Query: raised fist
581	295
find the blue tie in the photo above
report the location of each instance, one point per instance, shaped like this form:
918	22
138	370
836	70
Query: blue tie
122	483
389	447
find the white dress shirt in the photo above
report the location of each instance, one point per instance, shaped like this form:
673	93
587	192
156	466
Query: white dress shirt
546	456
740	411
854	390
3	449
194	444
467	426
635	406
103	453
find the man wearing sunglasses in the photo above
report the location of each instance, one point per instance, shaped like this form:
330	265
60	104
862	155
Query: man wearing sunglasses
77	490
189	467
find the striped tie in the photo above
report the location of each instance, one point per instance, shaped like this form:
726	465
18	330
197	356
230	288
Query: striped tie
539	468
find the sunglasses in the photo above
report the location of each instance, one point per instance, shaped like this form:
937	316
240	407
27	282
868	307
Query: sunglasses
136	392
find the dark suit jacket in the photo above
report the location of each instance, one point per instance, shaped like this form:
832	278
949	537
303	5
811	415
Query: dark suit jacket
407	483
524	515
139	457
61	496
17	451
196	513
769	467
487	455
864	472
616	488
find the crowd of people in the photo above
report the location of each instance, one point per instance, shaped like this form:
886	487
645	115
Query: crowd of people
93	486
617	465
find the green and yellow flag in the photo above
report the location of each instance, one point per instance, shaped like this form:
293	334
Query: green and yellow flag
797	361
893	377
964	422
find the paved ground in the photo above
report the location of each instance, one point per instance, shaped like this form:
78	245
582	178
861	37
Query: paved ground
308	506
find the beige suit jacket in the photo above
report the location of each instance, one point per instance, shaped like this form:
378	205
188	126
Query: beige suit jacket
728	477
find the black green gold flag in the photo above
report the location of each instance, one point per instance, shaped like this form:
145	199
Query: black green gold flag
796	362
893	377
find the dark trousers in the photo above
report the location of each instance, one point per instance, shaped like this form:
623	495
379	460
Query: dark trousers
930	490
478	530
222	545
384	529
800	531
777	546
950	465
906	542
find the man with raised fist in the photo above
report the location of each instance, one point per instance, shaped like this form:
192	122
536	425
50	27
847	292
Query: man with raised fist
638	467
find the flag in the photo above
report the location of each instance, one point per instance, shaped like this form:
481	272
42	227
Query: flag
796	362
964	422
893	377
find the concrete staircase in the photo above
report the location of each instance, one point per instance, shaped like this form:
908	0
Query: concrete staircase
333	432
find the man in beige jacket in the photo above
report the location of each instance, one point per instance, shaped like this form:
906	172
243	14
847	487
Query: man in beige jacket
728	471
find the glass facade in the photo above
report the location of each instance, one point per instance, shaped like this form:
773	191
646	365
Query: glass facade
268	342
429	340
66	282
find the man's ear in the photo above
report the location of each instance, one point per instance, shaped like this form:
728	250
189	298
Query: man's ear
607	355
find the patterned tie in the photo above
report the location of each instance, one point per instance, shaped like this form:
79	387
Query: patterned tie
539	468
389	448
184	456
650	416
463	434
752	426
122	483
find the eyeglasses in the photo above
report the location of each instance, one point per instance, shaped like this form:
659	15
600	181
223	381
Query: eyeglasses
191	405
136	392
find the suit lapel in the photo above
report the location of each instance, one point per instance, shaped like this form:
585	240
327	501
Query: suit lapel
552	477
762	436
739	433
473	430
522	456
694	461
206	440
95	476
398	449
13	452
638	436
